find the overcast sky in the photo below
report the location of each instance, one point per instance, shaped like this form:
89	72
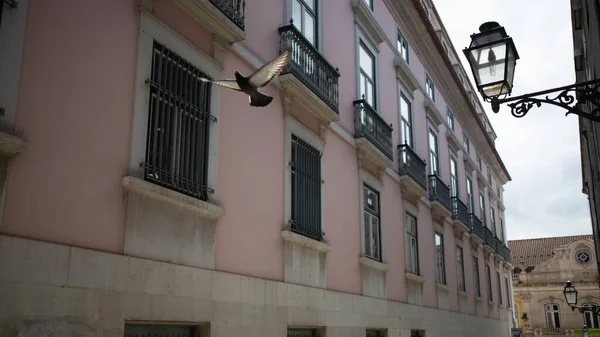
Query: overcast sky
540	150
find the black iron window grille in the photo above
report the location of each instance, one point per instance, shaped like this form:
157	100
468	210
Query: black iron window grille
370	125
178	125
372	226
306	189
235	10
412	165
476	277
309	66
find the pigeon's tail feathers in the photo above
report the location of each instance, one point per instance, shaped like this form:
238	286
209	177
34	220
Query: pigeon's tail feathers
260	100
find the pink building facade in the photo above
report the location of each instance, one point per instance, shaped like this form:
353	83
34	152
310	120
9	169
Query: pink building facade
366	199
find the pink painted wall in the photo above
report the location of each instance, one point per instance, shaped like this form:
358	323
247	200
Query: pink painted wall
75	103
343	215
79	130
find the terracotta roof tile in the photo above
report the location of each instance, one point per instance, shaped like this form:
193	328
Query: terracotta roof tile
532	252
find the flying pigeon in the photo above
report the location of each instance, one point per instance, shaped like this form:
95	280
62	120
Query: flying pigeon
260	78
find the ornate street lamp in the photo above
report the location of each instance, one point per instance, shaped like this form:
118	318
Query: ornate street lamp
570	294
571	297
492	57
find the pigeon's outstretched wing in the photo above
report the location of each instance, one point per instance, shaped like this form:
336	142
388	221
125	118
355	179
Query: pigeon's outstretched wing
229	84
269	71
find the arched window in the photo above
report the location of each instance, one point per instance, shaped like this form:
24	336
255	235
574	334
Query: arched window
552	315
589	319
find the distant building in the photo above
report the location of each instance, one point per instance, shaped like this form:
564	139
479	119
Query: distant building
586	43
542	266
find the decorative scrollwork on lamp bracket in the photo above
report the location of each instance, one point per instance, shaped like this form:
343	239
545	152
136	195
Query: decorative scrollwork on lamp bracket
569	98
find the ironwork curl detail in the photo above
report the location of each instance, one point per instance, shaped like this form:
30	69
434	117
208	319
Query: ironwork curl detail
568	99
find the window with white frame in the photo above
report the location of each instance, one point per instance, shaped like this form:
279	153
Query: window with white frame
304	15
467	144
488	277
429	87
367	75
450	119
508	293
453	177
499	286
445	48
440	265
493	221
434	163
482	209
369	3
412	245
460	265
489	175
501	227
476	278
479	163
589	318
425	8
402	46
552	311
406	121
372	225
470	197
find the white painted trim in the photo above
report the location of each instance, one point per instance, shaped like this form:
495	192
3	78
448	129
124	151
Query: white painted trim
368	262
202	208
152	29
12	41
442	287
340	131
292	126
370	180
287	15
414	277
304	241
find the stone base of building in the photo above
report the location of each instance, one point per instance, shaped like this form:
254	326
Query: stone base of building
56	290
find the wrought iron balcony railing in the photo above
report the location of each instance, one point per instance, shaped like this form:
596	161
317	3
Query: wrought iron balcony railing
476	226
499	247
370	125
507	256
440	192
460	211
235	10
309	66
412	165
489	238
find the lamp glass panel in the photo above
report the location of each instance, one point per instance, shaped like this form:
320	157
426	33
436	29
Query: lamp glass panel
570	295
489	68
511	62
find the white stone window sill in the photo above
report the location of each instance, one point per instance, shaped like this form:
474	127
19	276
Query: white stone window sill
368	262
442	287
479	298
305	241
463	293
490	303
159	193
414	277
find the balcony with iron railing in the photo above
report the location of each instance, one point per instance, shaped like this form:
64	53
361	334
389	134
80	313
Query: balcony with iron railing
225	18
476	229
460	216
498	248
412	170
373	134
507	254
489	242
439	194
308	77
